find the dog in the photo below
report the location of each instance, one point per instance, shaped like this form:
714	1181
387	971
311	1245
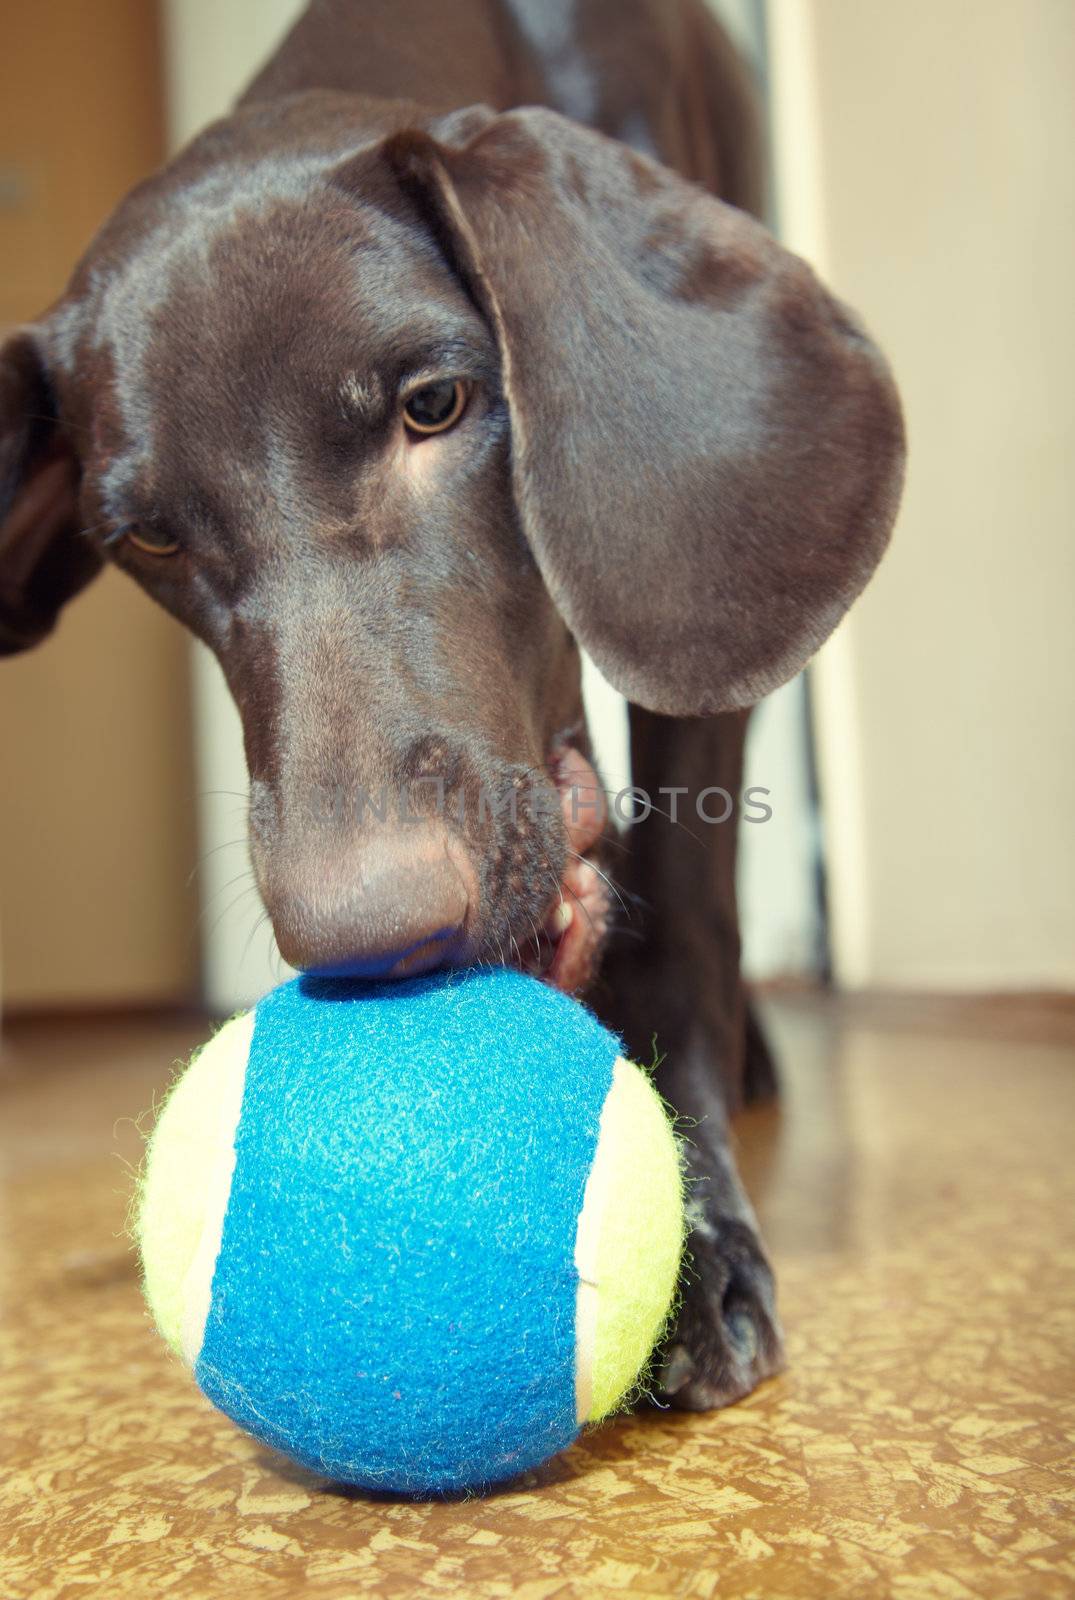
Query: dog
457	347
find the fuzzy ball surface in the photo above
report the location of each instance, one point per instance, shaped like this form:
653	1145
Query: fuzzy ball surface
413	1234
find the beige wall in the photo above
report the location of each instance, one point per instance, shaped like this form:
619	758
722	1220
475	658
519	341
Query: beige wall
96	803
925	160
96	813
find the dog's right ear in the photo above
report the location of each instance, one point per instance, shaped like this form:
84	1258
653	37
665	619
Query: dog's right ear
43	558
707	449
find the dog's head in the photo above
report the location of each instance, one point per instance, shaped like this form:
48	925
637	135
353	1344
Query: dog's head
394	422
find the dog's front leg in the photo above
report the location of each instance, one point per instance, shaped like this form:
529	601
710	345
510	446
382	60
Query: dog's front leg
671	984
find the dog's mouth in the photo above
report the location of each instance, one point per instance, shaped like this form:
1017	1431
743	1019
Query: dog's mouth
562	945
565	948
554	932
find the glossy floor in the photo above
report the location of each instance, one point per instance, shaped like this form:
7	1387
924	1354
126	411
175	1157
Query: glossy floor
917	1190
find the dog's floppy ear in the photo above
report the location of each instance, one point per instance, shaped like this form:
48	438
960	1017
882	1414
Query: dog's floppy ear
707	448
43	559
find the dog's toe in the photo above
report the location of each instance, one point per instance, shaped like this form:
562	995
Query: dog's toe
727	1337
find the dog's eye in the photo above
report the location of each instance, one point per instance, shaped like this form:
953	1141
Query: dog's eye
435	407
152	541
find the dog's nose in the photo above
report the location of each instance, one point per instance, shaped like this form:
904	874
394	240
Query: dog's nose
393	906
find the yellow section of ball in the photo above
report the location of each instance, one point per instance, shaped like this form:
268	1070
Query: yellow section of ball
629	1244
186	1179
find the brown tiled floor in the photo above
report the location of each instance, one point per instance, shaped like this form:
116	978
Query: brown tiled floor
917	1189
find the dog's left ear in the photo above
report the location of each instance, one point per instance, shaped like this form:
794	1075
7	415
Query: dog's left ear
43	559
707	448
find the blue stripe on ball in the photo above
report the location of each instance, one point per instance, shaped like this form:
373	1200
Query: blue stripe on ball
394	1300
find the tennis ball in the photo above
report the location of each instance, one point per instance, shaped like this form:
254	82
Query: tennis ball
415	1234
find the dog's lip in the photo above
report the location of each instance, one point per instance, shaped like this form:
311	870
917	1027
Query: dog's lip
584	917
561	969
564	951
582	798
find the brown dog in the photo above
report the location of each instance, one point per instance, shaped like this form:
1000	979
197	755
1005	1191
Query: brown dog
396	396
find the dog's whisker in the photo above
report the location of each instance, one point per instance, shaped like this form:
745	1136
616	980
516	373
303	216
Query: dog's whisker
586	862
228	844
258	924
68	425
658	811
251	888
534	931
228	794
583	907
609	838
224	887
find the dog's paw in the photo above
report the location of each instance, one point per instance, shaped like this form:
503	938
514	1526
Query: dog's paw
726	1337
